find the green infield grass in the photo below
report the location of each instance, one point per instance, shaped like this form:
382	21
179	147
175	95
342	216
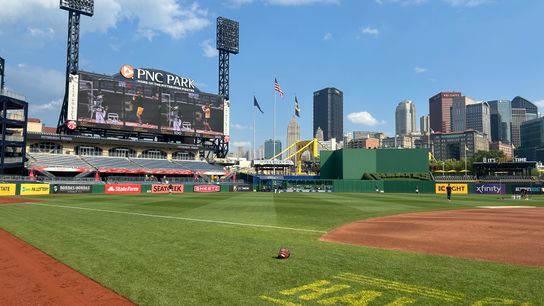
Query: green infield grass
219	249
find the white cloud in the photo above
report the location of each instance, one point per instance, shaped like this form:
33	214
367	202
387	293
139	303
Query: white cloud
241	144
240	127
168	17
469	3
37	32
239	3
300	2
419	69
454	3
53	105
37	82
540	105
328	36
364	118
208	49
370	31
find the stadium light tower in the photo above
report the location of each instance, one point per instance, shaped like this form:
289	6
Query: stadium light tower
2	72
228	41
75	8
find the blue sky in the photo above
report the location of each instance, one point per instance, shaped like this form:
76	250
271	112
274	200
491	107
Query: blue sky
378	52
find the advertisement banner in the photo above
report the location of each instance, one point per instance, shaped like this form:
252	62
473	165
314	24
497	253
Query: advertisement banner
73	92
455	188
163	188
241	188
34	189
536	189
122	188
144	100
207	188
64	188
7	189
489	188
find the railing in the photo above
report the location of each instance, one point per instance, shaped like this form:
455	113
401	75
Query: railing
12	94
12	160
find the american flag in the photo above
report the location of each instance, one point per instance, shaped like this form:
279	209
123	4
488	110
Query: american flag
277	87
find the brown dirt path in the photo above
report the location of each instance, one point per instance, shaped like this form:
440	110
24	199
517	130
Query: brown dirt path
15	200
509	235
30	277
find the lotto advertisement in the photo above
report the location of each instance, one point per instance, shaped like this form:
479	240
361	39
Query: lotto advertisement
34	189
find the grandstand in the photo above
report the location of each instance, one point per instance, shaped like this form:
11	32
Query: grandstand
58	163
120	165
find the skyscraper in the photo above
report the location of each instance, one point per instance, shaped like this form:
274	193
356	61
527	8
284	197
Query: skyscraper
439	111
532	140
458	113
269	148
424	124
328	113
501	120
522	110
405	118
293	135
478	118
319	134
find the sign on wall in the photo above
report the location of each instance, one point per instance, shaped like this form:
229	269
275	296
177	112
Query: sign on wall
34	189
455	188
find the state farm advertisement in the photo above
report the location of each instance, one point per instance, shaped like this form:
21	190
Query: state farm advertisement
164	188
122	188
207	188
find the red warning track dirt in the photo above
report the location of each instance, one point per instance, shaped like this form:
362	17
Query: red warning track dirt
16	200
512	235
30	277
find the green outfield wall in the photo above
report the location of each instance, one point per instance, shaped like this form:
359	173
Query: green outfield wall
352	164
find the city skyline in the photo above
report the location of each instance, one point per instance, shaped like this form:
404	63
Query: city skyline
355	51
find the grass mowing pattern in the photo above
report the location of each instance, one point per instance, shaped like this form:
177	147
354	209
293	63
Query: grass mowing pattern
155	261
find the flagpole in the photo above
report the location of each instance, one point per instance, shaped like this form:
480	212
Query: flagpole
254	133
274	135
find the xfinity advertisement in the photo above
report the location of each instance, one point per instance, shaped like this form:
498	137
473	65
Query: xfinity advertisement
489	188
146	100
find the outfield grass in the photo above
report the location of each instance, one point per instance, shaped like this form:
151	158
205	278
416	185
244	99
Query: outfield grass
161	250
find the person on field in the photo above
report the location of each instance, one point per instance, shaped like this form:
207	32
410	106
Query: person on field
417	189
170	188
448	192
377	189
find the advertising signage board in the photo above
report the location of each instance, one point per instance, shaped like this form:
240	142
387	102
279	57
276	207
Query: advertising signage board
122	188
146	100
207	188
164	188
489	188
66	188
455	188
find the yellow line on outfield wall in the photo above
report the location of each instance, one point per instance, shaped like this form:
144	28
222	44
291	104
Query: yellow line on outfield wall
181	218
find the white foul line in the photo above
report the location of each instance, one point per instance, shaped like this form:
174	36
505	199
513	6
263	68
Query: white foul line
180	218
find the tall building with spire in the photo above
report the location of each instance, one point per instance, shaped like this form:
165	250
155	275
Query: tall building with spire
293	135
405	118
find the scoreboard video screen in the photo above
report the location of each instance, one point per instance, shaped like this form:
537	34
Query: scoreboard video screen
148	101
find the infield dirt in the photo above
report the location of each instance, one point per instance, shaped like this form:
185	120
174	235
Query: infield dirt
514	236
30	277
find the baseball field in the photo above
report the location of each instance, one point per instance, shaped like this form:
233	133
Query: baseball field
220	249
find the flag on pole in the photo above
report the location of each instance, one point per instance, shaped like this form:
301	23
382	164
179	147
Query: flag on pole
297	109
277	87
256	104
